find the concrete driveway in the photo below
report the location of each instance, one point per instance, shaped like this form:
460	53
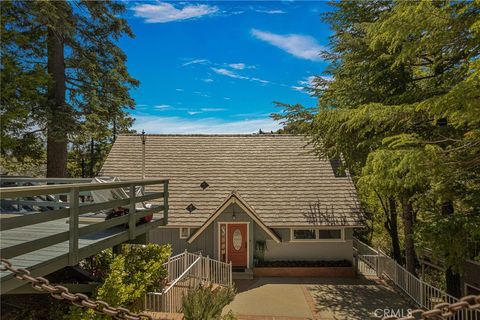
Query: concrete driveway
316	298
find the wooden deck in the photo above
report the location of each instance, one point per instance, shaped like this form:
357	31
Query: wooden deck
44	247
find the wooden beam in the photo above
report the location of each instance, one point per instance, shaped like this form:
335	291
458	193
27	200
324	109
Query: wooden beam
73	227
29	246
25	220
15	192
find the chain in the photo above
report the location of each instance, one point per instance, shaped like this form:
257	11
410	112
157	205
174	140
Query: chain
439	312
78	299
442	310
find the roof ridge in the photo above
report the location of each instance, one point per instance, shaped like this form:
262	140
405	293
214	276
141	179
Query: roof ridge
213	134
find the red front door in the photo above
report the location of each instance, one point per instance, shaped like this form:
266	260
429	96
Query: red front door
237	244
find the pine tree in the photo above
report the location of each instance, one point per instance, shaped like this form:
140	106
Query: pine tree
82	72
403	109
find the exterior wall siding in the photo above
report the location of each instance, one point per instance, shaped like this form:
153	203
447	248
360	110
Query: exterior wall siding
207	242
203	243
315	250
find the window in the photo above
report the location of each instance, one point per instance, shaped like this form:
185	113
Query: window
330	234
184	233
304	234
316	234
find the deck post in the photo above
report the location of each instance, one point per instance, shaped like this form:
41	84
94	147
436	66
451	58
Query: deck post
73	227
131	214
165	202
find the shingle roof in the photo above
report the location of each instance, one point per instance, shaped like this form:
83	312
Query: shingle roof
277	175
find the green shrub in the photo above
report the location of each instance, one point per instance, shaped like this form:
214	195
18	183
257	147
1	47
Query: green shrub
138	270
207	303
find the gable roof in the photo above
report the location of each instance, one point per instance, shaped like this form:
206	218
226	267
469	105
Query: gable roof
284	183
234	197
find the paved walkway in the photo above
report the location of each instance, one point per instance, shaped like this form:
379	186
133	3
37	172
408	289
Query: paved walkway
316	298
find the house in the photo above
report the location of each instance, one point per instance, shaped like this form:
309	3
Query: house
244	197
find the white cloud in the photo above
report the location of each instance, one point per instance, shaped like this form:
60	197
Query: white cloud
162	107
270	11
177	125
240	66
212	109
298	88
180	90
227	98
163	12
229	73
207	80
301	46
307	82
195	61
260	80
193	112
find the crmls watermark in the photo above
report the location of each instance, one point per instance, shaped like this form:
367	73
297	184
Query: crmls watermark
399	313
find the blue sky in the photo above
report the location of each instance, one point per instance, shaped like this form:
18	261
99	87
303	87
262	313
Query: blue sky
217	67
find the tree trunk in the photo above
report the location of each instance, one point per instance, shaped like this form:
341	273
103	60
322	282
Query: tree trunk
393	230
56	131
452	279
407	218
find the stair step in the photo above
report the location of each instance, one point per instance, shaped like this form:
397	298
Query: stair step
245	275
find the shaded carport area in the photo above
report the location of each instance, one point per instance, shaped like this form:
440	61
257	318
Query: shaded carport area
317	298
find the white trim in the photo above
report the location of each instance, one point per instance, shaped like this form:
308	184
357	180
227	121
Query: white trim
232	199
180	232
226	240
342	234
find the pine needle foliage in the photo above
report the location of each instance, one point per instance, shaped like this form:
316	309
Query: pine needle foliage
207	303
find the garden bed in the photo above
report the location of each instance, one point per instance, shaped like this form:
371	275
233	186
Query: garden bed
333	269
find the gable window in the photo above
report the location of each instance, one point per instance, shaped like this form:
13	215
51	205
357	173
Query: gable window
184	233
316	234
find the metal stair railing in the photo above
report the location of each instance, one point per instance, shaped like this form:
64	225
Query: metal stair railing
187	271
370	261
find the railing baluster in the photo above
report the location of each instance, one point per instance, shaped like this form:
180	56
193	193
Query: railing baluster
73	227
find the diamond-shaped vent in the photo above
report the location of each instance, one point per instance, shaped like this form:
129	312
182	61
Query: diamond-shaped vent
204	185
190	208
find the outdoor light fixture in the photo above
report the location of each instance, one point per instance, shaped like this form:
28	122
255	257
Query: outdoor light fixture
234	216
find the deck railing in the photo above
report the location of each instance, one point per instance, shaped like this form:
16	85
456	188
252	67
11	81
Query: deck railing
186	272
372	261
72	209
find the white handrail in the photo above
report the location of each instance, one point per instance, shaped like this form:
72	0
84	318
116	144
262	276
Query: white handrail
183	275
186	271
423	294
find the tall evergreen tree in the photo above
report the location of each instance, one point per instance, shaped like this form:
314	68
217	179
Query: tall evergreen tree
82	73
403	108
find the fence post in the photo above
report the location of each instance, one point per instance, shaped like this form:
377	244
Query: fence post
131	214
230	273
73	227
209	280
